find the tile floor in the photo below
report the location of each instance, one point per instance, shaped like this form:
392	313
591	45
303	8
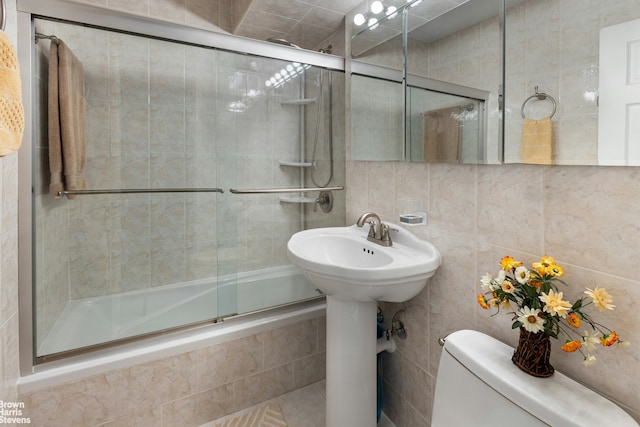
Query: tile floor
301	408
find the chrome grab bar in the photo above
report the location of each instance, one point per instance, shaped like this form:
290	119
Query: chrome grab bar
140	190
283	190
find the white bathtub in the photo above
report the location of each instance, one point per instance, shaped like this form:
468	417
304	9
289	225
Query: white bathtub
92	321
153	347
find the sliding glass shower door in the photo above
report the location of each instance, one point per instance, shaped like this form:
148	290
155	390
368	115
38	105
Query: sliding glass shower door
156	240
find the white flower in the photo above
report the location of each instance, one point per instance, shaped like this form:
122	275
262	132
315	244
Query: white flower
522	274
591	339
530	319
486	282
589	360
623	344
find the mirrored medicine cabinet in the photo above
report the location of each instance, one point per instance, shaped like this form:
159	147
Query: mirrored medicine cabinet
425	84
458	81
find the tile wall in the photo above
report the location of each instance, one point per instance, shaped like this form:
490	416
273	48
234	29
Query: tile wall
555	45
583	216
189	389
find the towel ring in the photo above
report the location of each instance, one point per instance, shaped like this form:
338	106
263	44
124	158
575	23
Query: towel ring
541	97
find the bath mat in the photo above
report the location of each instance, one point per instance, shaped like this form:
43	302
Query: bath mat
264	416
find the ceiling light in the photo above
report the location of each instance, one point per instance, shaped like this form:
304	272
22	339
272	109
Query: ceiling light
377	7
372	24
415	3
391	12
359	19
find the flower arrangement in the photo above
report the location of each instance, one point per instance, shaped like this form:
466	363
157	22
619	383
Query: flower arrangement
542	309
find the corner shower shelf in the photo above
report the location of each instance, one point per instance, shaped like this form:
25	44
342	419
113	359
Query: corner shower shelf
295	164
302	101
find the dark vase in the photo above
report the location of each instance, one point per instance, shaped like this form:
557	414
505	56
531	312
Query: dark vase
532	354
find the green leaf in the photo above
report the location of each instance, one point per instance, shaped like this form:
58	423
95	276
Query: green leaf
577	305
516	325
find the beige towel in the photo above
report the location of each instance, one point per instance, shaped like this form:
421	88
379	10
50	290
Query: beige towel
66	120
11	109
442	135
537	142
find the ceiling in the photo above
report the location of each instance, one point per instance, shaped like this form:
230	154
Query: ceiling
309	23
306	23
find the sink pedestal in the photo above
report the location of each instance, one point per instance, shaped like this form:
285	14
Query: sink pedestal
351	363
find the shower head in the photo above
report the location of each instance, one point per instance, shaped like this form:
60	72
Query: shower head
283	42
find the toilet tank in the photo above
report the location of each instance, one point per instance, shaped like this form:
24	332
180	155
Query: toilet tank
478	385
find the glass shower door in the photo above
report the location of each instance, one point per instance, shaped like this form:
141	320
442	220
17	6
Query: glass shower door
139	253
159	241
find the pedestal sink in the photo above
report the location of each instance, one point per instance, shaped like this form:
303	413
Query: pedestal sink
354	273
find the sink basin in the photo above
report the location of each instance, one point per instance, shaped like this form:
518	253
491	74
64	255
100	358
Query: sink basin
342	263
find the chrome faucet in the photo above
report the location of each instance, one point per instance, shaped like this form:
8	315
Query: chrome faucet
378	231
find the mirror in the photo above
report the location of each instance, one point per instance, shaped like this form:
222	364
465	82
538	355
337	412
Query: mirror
584	56
448	58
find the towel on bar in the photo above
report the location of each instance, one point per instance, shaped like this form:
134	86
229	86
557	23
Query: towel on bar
66	120
442	135
537	142
11	109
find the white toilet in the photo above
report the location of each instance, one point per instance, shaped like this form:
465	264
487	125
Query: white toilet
478	385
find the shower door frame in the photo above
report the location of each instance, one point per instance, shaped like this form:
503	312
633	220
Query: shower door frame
111	20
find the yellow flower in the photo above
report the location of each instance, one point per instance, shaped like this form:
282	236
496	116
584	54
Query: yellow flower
548	267
508	287
555	270
571	346
574	320
544	263
554	304
600	298
483	302
609	339
507	263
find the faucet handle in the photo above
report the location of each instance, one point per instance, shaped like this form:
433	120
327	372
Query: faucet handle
385	237
372	229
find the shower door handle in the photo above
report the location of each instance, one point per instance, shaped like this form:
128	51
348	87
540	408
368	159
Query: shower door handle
283	190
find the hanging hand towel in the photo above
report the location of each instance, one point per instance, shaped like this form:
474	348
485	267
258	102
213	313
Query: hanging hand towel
11	109
442	135
537	142
66	120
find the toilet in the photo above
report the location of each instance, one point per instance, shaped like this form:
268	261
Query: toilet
478	385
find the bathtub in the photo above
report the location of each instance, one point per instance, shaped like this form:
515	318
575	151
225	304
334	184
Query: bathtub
152	347
92	321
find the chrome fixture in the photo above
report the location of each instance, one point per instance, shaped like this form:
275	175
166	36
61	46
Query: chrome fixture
138	191
325	200
378	231
283	42
397	327
282	190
